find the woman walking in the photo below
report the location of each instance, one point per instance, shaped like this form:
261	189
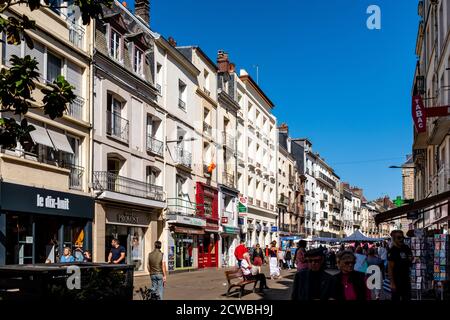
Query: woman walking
273	262
350	284
288	258
258	257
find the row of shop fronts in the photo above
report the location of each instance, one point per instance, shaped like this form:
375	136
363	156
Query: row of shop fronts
36	224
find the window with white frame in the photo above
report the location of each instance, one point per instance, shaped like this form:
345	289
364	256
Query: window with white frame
182	95
115	44
138	65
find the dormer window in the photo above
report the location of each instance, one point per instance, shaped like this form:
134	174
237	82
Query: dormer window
115	45
138	61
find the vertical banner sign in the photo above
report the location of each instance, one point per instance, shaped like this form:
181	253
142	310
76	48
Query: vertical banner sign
418	113
242	206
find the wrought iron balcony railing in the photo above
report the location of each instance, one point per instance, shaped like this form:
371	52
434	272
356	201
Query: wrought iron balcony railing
75	109
183	157
154	145
110	181
116	126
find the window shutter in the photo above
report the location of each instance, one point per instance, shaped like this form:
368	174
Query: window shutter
109	102
9	50
74	77
38	53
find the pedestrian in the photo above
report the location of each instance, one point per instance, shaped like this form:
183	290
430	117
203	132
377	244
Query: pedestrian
300	260
399	264
117	253
87	256
267	254
348	283
373	260
288	258
67	256
258	257
313	283
78	253
382	253
332	257
249	272
239	252
157	269
273	261
280	257
361	260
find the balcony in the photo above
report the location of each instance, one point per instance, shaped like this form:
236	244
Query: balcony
241	162
182	104
229	141
182	207
116	126
326	180
110	181
357	209
75	109
76	35
271	207
207	129
183	158
75	176
283	200
258	203
228	179
265	205
207	92
154	146
158	87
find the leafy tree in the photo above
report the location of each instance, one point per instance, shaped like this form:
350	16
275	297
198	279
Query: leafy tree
19	81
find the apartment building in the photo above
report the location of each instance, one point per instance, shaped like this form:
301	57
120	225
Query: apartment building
431	155
259	140
347	213
45	199
290	188
128	137
357	196
336	208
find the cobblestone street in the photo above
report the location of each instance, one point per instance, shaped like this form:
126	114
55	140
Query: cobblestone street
211	284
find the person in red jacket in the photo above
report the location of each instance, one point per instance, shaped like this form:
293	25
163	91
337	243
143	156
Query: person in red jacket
239	252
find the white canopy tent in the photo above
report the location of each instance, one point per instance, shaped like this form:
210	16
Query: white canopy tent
359	236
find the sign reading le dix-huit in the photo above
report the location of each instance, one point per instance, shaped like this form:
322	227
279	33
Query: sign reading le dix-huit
52	203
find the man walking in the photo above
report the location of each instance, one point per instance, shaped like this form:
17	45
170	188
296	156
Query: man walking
399	264
313	283
239	252
117	253
158	270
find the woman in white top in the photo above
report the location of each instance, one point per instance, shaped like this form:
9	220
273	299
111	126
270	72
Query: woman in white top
246	268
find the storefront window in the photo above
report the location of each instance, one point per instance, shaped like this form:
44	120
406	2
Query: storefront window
132	239
184	245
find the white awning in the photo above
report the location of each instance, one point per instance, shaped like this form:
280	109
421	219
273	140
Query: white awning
40	136
60	141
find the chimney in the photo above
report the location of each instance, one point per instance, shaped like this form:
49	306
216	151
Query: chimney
172	42
283	128
223	63
142	10
231	68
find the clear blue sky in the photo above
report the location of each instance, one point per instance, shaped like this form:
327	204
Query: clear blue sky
344	87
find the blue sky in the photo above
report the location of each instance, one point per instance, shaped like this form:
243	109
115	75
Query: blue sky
343	86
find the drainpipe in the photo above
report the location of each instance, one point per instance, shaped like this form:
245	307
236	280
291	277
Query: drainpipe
91	133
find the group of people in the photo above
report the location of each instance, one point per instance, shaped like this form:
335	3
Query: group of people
312	282
77	255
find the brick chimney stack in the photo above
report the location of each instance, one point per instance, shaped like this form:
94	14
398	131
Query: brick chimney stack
142	10
223	63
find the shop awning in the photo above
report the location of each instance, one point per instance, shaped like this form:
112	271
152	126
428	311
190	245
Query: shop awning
418	205
60	141
40	136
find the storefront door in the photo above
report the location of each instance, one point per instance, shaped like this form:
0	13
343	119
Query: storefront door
208	251
20	235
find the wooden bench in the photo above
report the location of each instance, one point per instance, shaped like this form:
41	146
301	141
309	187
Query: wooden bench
236	279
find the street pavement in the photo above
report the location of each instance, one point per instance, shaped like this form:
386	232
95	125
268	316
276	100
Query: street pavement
211	284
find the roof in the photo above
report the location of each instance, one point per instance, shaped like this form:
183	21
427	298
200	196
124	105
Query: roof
201	53
248	78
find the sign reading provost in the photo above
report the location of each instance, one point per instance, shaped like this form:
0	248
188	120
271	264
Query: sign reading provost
242	206
52	203
419	115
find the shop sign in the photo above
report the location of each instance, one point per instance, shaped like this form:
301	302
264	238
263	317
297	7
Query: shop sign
242	206
127	218
231	230
177	218
224	220
52	203
273	229
188	230
419	116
